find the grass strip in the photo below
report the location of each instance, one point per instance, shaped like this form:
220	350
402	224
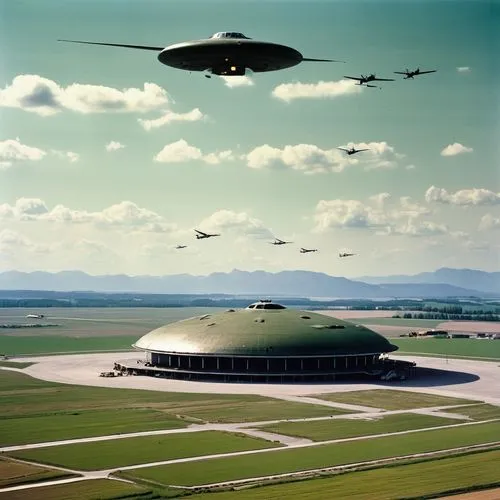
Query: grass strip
306	458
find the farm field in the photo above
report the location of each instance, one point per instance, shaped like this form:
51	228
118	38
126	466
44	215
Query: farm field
411	323
131	451
413	481
389	399
478	412
103	489
324	430
473	348
328	455
14	473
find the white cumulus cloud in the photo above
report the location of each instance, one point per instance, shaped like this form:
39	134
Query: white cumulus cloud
463	197
289	91
463	69
46	97
171	117
488	222
311	159
71	156
114	146
12	151
180	151
455	149
237	81
241	222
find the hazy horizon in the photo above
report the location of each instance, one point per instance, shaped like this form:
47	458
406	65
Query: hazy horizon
108	159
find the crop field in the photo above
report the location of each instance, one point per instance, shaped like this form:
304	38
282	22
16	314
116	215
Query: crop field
83	423
389	399
103	489
411	323
82	411
97	322
130	451
14	473
478	412
414	480
15	364
293	460
323	430
473	348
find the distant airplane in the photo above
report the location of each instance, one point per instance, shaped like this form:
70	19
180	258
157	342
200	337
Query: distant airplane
307	250
35	316
225	53
364	79
411	74
178	247
344	254
201	235
277	241
353	150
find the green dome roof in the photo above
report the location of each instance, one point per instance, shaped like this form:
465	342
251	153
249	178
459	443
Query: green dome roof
269	332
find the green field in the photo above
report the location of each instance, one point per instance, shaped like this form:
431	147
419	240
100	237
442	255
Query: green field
389	399
416	480
130	451
412	323
324	430
293	460
83	423
14	345
22	396
474	348
15	364
102	489
478	412
14	473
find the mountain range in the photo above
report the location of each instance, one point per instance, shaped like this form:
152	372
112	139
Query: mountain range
444	282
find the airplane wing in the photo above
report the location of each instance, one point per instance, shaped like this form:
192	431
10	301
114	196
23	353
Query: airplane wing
354	78
320	60
359	150
383	79
343	149
141	47
200	232
401	72
424	72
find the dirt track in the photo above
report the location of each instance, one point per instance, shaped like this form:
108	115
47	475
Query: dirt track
477	495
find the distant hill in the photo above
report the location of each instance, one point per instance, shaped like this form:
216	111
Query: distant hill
465	278
285	283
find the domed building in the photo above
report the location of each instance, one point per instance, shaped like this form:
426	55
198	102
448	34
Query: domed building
265	342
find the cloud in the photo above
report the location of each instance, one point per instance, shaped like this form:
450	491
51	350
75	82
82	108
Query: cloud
180	151
66	155
45	97
124	215
455	149
171	117
464	197
289	91
489	222
224	220
237	81
13	243
114	146
12	151
311	159
463	69
402	217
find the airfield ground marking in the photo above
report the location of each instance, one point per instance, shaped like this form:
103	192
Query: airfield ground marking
251	428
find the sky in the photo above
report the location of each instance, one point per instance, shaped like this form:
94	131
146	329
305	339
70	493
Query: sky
109	159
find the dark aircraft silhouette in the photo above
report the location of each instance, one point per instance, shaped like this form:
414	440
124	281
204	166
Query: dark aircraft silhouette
200	235
364	79
307	250
224	53
178	247
411	74
352	150
344	254
277	241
